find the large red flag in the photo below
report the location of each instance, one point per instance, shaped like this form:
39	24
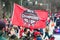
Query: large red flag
29	18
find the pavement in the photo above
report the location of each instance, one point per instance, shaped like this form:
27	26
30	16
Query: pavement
57	36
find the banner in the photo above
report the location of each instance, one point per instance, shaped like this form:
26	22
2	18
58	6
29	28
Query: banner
29	18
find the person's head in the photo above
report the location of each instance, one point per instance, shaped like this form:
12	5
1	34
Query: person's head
26	30
2	25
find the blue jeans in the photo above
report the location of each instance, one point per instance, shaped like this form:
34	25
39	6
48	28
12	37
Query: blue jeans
39	38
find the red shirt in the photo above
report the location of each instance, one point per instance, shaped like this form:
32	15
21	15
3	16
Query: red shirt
21	31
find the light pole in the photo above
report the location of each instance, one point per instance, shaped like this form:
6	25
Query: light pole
21	2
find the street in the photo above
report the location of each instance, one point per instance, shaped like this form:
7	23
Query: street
57	36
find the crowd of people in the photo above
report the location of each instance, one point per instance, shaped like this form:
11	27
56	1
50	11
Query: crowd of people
14	32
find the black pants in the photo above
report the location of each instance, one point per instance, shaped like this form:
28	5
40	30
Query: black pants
46	34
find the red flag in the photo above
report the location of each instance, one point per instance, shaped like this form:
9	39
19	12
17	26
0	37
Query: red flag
29	18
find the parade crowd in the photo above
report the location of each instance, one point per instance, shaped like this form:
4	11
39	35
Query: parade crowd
14	32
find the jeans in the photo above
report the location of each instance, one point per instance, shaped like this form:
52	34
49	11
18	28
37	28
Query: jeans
39	38
46	34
